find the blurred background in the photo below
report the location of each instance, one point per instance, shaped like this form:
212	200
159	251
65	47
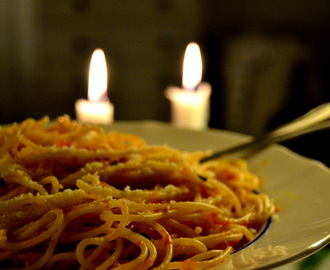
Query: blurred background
267	61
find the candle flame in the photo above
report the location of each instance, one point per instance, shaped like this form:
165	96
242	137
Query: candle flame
192	67
98	77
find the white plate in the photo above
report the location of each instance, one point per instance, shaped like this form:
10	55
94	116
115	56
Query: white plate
299	186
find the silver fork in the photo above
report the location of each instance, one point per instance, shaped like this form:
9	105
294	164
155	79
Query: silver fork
312	121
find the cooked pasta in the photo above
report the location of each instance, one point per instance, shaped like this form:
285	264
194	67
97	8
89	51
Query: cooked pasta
75	197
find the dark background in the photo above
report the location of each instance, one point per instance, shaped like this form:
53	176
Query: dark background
267	61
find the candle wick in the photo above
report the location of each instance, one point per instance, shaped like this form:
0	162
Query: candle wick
102	98
196	87
193	89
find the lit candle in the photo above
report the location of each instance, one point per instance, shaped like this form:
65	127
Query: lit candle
190	105
97	109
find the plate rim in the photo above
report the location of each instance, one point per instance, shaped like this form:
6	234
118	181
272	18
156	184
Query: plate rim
303	253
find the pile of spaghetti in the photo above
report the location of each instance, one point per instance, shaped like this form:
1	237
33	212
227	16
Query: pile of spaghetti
75	197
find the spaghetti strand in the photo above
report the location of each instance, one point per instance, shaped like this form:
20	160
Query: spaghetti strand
75	196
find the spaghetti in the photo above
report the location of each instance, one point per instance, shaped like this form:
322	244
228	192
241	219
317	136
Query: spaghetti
76	197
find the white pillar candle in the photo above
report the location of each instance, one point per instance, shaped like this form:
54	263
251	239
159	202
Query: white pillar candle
97	109
190	105
190	109
94	112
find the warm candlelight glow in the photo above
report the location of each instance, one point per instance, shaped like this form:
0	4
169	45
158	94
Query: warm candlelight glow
192	67
190	104
98	77
97	109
